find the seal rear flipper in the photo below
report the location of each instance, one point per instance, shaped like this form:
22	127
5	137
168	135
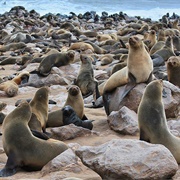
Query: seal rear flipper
10	168
40	135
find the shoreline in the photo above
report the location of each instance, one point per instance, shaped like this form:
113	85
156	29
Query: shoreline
154	14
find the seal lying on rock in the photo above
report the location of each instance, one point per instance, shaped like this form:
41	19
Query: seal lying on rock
139	69
57	59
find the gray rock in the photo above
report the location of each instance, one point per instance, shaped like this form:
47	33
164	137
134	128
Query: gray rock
124	121
67	164
70	131
171	100
174	126
129	159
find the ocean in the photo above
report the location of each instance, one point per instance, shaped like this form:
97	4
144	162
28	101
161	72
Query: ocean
145	8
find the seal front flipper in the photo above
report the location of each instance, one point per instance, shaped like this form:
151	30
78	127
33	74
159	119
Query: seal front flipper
106	100
40	135
10	167
130	85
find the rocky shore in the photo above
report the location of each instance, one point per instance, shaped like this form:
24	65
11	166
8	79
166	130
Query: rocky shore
112	149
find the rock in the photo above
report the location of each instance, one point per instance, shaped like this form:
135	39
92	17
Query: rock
124	121
171	100
70	131
129	159
174	126
67	164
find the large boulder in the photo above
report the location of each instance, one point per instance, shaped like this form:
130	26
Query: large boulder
124	121
129	159
67	164
171	99
70	131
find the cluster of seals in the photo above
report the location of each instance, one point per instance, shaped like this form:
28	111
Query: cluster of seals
75	100
152	119
23	149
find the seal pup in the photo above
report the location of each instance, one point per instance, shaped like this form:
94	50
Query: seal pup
173	70
70	116
22	148
139	69
152	120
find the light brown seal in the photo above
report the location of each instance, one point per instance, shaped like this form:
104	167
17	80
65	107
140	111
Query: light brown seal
152	120
22	148
139	69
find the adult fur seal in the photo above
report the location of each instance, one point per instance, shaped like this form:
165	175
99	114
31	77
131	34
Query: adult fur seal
75	100
22	148
139	69
173	70
12	46
39	106
69	116
152	119
57	59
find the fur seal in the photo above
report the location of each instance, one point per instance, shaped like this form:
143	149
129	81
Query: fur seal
69	116
22	148
12	46
103	37
57	59
85	79
166	51
2	115
81	45
152	119
39	107
75	100
139	69
10	88
173	70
